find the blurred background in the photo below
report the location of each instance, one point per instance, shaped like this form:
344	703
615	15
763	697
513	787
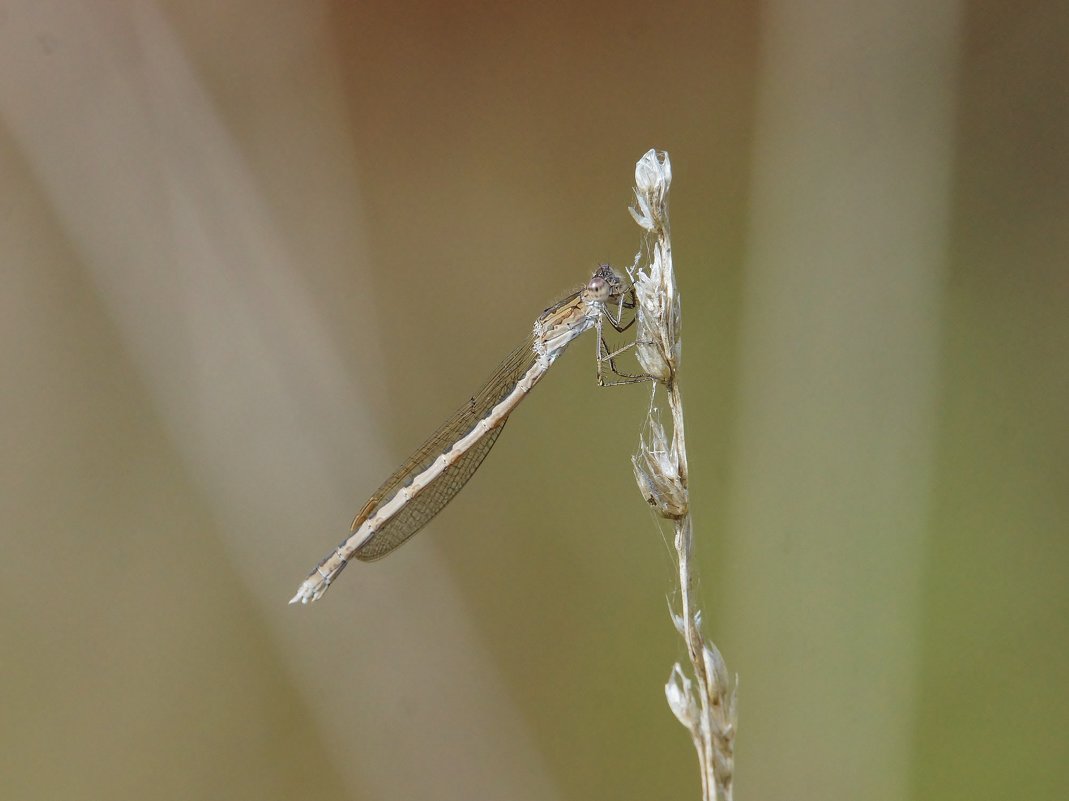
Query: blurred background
254	252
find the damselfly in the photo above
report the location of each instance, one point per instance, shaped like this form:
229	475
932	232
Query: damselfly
428	480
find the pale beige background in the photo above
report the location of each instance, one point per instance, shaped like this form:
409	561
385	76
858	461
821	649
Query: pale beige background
253	252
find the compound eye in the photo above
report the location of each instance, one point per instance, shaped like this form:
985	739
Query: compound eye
599	289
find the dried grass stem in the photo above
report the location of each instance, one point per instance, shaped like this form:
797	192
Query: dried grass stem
703	698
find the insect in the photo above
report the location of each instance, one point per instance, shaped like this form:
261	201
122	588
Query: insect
439	469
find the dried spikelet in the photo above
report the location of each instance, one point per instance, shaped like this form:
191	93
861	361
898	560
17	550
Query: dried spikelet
657	339
656	468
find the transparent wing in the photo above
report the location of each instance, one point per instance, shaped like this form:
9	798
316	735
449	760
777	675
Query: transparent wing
434	496
419	511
